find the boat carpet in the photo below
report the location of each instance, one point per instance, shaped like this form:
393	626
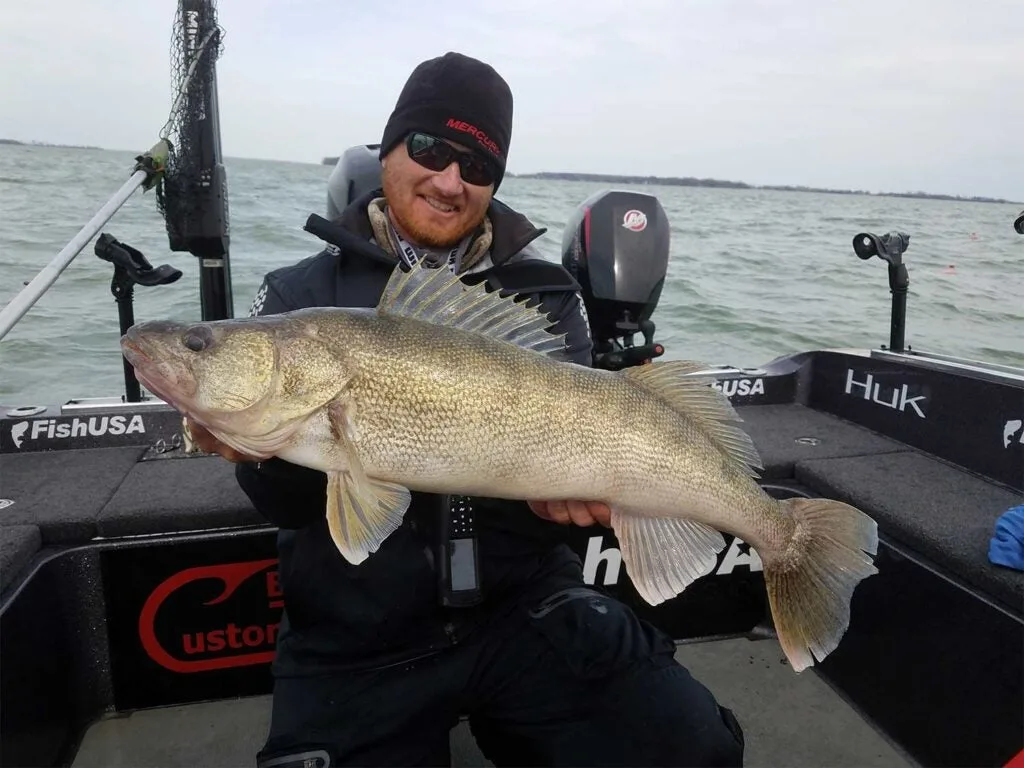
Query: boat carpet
76	495
63	491
942	512
788	720
18	543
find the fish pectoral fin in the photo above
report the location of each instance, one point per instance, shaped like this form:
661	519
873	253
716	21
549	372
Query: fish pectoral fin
664	555
361	511
361	514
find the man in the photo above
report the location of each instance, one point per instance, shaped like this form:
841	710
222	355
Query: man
372	667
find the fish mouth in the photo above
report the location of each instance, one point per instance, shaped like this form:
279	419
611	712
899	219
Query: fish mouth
161	377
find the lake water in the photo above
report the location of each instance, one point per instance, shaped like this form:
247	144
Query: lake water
752	275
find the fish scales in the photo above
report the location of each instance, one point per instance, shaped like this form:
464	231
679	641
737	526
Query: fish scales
452	389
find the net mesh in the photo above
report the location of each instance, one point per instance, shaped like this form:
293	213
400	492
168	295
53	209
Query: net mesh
196	44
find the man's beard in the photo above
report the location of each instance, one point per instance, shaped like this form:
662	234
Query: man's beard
425	236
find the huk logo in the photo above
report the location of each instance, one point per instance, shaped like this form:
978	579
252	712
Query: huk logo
1013	428
214	641
635	221
739	554
94	426
896	398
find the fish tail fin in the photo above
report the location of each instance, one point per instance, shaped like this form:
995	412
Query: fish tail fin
811	582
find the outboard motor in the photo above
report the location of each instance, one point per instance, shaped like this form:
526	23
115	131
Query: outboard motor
616	245
356	172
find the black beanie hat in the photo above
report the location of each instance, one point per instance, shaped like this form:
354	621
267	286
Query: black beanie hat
458	98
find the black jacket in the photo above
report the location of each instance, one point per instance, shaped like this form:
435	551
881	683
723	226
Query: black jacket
386	610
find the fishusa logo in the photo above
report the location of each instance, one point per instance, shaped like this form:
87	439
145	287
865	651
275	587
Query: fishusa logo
738	554
741	387
18	433
1010	430
95	426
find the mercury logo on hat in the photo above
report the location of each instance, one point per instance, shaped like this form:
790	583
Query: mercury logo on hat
459	98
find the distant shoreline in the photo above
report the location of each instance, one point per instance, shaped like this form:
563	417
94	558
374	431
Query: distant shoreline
667	181
689	181
17	143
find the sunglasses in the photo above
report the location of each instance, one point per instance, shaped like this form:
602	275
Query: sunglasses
436	155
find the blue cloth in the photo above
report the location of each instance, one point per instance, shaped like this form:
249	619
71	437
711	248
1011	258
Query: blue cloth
1007	545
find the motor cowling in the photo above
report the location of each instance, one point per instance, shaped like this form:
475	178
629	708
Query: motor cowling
356	172
616	245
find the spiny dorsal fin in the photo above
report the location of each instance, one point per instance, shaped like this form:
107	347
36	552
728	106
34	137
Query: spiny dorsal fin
439	296
673	381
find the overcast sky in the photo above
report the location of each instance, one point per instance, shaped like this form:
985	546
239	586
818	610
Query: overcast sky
891	95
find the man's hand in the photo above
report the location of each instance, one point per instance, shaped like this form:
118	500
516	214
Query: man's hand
207	443
582	513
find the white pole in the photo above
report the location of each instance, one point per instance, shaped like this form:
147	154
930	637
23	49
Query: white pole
29	295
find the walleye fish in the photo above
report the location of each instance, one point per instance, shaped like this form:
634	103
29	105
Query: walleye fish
449	388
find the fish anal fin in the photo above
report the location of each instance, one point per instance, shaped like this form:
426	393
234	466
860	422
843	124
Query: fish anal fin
664	555
693	396
439	296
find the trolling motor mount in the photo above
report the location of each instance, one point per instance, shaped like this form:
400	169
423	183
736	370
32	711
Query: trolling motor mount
890	247
131	268
616	245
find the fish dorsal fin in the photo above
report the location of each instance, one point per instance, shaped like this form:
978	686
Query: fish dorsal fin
439	296
675	383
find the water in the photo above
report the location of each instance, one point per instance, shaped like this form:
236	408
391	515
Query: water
753	274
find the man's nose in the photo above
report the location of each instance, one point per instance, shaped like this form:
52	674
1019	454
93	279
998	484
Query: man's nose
449	181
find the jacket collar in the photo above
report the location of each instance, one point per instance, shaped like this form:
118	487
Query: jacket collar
511	230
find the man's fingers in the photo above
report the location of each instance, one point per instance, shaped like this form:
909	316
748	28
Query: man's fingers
601	513
579	514
558	512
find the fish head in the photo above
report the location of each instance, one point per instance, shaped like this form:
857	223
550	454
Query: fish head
251	381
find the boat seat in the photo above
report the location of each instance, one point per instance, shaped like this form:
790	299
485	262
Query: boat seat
942	512
785	435
63	491
171	495
18	545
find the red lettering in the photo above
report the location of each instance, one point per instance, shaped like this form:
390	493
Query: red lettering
231	576
476	133
193	643
274	584
234	636
215	641
252	636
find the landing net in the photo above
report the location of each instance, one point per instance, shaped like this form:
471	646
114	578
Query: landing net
196	44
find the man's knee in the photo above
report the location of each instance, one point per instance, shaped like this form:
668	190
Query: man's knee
680	719
728	750
294	756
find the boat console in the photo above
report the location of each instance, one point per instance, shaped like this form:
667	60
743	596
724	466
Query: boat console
137	575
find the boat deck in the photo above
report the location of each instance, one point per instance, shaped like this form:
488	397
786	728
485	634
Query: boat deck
943	512
935	653
789	721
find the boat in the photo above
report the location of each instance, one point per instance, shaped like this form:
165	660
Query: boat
139	598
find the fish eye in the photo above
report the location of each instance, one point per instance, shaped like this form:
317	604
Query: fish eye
197	339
